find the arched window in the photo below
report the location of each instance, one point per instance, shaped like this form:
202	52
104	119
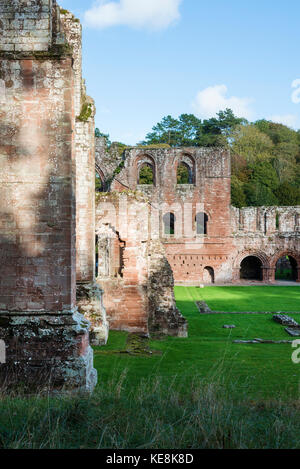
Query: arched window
184	175
202	223
169	223
146	175
186	170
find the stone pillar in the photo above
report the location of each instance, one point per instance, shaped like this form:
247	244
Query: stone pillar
271	274
89	295
47	340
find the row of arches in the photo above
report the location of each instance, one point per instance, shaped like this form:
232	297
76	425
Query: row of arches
285	268
145	168
201	221
146	175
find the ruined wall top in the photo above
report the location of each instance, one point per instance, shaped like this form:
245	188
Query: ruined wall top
29	26
266	221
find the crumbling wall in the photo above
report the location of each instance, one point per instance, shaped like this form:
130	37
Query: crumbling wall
89	295
129	263
108	162
44	334
267	233
164	317
189	253
230	235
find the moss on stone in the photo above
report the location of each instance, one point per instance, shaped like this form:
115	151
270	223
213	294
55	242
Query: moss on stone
86	112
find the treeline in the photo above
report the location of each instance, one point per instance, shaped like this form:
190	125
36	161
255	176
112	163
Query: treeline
265	155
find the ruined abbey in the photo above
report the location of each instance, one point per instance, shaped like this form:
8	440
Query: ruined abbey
74	264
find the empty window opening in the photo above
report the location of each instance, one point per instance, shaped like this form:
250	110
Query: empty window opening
169	223
201	223
146	175
184	174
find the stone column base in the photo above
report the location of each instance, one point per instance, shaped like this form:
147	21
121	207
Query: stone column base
46	352
90	304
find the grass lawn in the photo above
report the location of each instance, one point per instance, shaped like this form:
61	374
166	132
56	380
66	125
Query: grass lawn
240	299
253	371
200	392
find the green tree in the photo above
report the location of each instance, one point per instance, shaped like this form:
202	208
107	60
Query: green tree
166	131
183	176
259	195
264	173
288	195
238	198
146	175
252	144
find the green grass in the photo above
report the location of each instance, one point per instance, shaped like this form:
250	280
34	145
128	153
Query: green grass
241	299
258	371
200	392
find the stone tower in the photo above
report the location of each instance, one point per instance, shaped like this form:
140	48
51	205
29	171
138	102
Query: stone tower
46	339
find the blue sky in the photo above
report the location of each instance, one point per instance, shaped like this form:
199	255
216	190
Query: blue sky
144	59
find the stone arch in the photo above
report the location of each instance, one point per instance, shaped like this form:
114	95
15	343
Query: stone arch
262	261
100	174
187	161
145	161
294	258
208	275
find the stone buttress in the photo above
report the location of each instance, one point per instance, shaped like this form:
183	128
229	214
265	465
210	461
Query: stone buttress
47	340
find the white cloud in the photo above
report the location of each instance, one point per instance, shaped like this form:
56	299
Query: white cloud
214	99
150	14
296	93
291	120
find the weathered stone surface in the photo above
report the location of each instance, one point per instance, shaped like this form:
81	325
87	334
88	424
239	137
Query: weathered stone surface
164	317
262	341
44	335
90	304
285	320
203	307
294	332
214	255
133	270
47	352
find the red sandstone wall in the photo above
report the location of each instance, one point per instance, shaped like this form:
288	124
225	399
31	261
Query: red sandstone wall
37	241
85	158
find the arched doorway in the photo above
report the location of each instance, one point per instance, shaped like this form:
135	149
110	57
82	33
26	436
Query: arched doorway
286	269
251	269
208	275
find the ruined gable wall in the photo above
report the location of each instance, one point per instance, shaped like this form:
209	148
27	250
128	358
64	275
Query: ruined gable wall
133	269
187	252
123	259
38	319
